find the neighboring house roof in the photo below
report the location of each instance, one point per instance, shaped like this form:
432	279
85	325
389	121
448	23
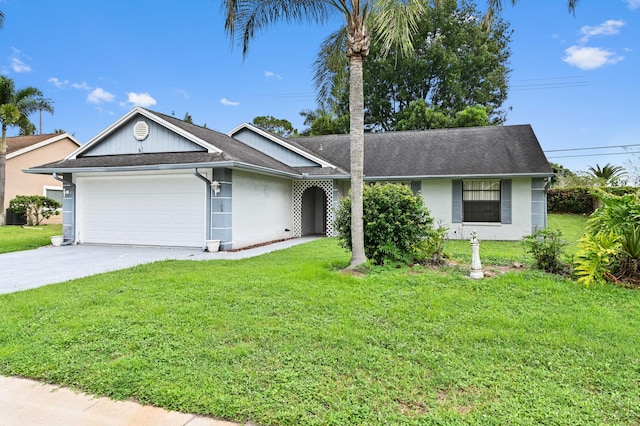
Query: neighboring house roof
19	145
460	152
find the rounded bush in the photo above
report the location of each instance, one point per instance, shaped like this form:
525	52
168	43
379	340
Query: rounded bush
396	223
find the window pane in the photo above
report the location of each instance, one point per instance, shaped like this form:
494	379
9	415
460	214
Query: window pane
55	194
481	200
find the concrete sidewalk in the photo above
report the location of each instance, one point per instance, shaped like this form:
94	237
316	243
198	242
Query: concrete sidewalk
29	403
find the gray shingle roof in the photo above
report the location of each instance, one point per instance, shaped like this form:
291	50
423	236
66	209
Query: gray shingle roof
477	151
473	151
134	160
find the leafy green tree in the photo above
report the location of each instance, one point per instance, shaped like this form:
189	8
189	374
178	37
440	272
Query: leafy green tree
472	116
35	208
278	126
323	122
15	108
562	175
459	61
417	116
187	118
608	175
28	130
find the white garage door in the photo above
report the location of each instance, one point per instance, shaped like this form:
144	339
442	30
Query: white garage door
162	210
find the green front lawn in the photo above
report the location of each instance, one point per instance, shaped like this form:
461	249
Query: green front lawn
17	238
288	339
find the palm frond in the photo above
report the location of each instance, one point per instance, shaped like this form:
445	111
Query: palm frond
331	65
26	100
245	18
393	22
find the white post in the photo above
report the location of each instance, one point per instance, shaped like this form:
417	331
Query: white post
476	265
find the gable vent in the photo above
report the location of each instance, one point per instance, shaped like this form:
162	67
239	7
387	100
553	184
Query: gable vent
141	130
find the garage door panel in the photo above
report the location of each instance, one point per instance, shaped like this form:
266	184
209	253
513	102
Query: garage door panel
142	210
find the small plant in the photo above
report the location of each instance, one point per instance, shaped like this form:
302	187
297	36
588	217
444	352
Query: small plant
396	222
546	247
434	246
630	245
594	259
35	208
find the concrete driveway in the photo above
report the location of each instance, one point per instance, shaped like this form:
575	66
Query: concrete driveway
24	270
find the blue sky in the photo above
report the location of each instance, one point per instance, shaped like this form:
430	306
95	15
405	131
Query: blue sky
574	78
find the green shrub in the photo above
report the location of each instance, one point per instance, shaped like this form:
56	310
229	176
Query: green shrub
570	200
546	247
579	200
396	222
611	247
35	208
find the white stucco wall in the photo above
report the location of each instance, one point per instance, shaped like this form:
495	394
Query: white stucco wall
262	209
437	194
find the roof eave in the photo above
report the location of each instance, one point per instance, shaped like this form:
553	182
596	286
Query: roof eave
154	167
458	176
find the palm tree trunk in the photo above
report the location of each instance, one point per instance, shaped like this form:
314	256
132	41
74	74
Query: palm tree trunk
356	140
3	168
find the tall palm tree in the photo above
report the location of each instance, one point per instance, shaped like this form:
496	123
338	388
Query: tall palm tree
608	174
15	108
391	21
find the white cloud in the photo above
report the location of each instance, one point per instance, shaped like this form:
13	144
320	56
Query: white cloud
141	99
56	82
270	74
16	62
589	58
63	84
225	101
18	66
633	4
99	95
82	86
610	27
182	93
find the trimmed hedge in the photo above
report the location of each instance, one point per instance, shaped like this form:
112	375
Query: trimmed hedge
579	200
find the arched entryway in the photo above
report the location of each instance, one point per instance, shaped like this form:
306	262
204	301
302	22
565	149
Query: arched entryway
314	211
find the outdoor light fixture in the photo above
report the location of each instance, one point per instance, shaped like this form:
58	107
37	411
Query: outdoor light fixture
215	187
